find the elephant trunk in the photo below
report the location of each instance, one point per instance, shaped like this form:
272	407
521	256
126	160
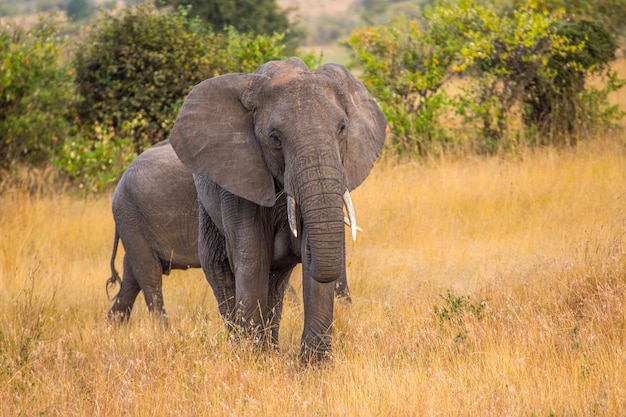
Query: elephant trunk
324	246
321	200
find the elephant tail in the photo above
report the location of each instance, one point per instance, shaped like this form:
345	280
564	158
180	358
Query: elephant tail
114	279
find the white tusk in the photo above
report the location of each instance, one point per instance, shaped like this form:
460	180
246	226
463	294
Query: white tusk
291	215
347	222
351	216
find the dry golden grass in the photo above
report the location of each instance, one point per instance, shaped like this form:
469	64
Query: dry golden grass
487	287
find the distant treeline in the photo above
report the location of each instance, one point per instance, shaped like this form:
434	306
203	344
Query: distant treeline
87	97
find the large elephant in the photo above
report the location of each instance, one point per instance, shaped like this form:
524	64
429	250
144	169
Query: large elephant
274	155
155	208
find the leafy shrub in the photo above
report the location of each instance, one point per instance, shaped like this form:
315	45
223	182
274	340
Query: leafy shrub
262	17
564	107
405	68
521	75
504	54
141	63
456	311
96	160
455	307
37	103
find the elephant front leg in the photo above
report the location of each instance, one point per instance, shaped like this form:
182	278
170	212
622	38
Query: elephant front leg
252	317
279	281
248	248
216	267
318	318
222	281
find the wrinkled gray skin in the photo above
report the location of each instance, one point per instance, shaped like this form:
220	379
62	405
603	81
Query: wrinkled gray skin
155	207
249	137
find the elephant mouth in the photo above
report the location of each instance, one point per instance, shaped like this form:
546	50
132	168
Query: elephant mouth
350	220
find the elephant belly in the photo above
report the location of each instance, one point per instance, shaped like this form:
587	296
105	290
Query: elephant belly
179	258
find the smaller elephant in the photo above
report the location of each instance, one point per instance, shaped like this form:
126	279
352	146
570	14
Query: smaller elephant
155	208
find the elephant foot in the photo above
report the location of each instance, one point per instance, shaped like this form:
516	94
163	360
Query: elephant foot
263	338
160	317
315	355
117	317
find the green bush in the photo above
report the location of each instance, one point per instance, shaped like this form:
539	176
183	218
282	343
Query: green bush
141	63
405	68
564	108
96	160
503	55
261	17
523	77
37	101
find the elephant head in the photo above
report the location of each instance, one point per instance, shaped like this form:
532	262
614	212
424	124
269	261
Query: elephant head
313	135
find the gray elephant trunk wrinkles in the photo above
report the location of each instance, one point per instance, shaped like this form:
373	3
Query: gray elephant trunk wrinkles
320	200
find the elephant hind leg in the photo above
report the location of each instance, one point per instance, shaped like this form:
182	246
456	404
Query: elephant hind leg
151	283
125	298
139	276
154	300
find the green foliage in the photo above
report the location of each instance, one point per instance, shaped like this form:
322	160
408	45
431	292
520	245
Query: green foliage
36	94
563	107
405	68
260	17
456	307
522	76
79	9
612	13
453	315
504	54
96	159
140	64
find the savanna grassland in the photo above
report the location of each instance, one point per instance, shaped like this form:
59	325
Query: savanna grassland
482	287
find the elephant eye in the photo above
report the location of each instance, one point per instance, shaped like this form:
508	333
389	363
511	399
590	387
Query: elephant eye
342	128
275	142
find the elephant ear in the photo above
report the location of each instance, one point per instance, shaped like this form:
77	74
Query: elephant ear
214	137
366	124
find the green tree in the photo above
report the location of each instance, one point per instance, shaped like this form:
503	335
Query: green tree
37	103
139	65
405	67
79	9
612	13
504	53
133	71
561	106
263	17
524	73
